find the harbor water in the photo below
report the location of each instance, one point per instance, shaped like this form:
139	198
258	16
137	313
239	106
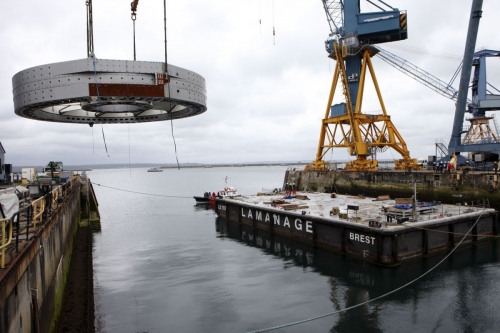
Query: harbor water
164	264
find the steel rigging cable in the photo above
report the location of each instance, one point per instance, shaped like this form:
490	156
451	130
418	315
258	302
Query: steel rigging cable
378	297
167	79
260	19
90	54
90	29
274	31
94	60
155	195
133	6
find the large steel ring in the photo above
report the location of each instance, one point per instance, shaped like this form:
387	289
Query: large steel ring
91	91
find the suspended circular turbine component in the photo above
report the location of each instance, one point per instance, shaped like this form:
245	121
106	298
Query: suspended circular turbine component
91	91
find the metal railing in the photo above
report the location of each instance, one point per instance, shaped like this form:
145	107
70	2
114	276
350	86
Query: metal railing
5	243
38	207
25	220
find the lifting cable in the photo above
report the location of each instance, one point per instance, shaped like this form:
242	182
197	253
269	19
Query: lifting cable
133	6
260	19
378	297
90	54
90	29
165	35
274	31
167	79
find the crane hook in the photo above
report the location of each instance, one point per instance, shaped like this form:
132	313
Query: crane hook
133	7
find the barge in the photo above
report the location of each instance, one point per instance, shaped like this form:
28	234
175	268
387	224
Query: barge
376	230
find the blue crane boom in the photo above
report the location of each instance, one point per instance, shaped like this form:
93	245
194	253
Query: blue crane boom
483	99
418	74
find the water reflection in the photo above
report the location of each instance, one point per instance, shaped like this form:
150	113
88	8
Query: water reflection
449	298
201	207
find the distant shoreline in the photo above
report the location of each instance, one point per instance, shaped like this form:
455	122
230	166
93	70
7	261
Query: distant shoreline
91	167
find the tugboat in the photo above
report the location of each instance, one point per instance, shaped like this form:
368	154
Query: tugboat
209	197
227	191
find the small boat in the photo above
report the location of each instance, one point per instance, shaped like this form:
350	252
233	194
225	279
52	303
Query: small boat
202	200
205	199
209	197
155	169
227	191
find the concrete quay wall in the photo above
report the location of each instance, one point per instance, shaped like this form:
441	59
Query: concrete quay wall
32	285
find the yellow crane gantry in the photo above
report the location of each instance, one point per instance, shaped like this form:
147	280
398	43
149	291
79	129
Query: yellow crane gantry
363	134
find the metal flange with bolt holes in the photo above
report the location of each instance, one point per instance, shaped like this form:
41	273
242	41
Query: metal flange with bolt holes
100	91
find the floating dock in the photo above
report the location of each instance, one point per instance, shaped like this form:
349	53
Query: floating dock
379	231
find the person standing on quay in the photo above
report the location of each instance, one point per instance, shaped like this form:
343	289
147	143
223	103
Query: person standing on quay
495	166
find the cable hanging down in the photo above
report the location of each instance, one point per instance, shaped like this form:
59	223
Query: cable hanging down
175	145
90	54
94	61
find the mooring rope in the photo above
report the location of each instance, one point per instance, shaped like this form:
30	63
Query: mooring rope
155	195
449	232
373	299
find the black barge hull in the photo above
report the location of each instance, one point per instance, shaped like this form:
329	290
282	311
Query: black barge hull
381	246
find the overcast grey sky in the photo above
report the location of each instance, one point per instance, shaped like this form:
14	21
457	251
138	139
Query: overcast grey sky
265	99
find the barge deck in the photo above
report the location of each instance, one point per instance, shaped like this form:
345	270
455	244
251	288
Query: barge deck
374	230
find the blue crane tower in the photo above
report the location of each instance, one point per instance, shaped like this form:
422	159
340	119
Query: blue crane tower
356	29
351	41
479	137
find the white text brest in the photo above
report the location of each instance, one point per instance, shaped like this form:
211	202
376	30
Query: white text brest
362	238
